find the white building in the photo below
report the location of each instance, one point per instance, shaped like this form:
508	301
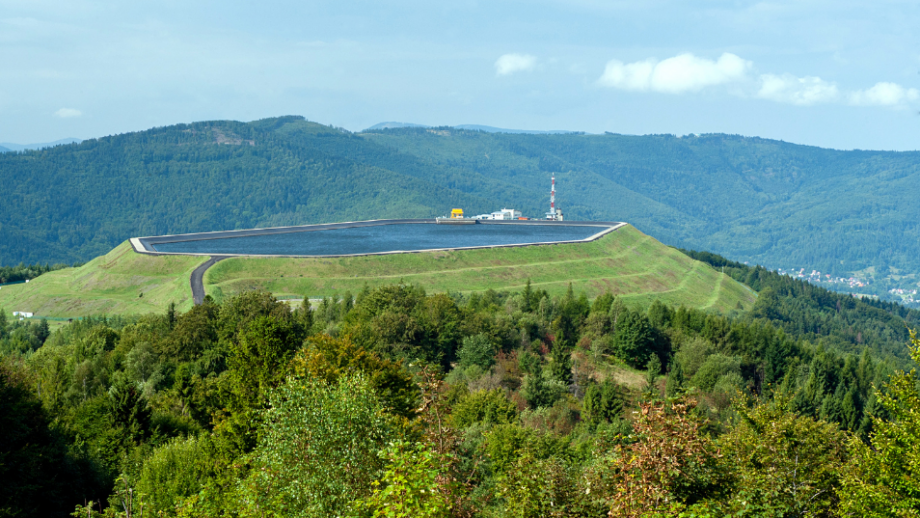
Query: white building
23	314
506	214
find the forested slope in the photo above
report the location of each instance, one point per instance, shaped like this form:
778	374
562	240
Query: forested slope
399	402
751	199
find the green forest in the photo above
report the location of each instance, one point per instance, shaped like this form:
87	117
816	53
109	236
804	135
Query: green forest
761	201
25	272
395	402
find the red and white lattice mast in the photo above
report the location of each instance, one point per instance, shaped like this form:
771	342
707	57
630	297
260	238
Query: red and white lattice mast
552	201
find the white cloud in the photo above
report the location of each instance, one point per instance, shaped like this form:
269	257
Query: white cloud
511	63
801	91
689	73
66	113
682	73
884	94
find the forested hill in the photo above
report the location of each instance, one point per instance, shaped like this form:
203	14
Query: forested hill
750	199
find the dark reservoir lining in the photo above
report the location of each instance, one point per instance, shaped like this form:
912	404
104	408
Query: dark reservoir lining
379	238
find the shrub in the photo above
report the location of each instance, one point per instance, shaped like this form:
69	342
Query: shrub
488	407
603	402
539	390
172	473
477	350
714	368
318	455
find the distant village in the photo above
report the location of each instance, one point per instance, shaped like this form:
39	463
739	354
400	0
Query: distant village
905	295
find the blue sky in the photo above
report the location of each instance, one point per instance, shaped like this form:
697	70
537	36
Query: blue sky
836	74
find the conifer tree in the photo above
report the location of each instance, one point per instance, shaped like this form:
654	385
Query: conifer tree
675	384
527	296
851	409
831	409
3	323
171	315
653	368
882	477
304	315
561	366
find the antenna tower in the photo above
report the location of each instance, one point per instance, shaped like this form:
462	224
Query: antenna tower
552	200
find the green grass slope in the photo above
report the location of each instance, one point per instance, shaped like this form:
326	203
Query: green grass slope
626	262
120	282
751	199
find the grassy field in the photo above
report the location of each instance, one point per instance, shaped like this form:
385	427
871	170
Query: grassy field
626	262
120	282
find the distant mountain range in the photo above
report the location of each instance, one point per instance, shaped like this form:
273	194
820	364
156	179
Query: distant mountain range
9	146
470	127
749	199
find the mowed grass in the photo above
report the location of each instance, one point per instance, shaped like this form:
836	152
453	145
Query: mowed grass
626	262
120	282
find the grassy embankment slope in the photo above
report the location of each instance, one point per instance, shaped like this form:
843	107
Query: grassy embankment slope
120	282
626	262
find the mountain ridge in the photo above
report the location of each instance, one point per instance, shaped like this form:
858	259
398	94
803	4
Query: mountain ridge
747	198
9	146
470	127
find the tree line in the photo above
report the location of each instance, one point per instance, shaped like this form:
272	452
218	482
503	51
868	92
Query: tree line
396	402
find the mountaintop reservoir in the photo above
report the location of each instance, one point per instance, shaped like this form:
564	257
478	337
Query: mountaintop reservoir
373	237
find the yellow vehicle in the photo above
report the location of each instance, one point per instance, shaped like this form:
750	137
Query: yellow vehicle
456	214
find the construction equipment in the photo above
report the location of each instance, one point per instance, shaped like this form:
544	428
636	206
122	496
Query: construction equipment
456	218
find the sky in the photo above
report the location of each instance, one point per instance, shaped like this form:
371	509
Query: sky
838	74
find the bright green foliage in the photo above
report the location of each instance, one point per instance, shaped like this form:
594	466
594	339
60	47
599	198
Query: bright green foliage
477	350
881	480
552	487
118	392
257	363
329	359
318	455
400	321
237	312
716	366
659	315
634	339
410	486
173	471
603	303
193	332
782	464
489	407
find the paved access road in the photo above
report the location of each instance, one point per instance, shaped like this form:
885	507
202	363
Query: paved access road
197	279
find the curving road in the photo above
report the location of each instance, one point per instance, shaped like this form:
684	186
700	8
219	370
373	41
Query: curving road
197	279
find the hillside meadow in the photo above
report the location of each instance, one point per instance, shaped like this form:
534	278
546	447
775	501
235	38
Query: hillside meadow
627	262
